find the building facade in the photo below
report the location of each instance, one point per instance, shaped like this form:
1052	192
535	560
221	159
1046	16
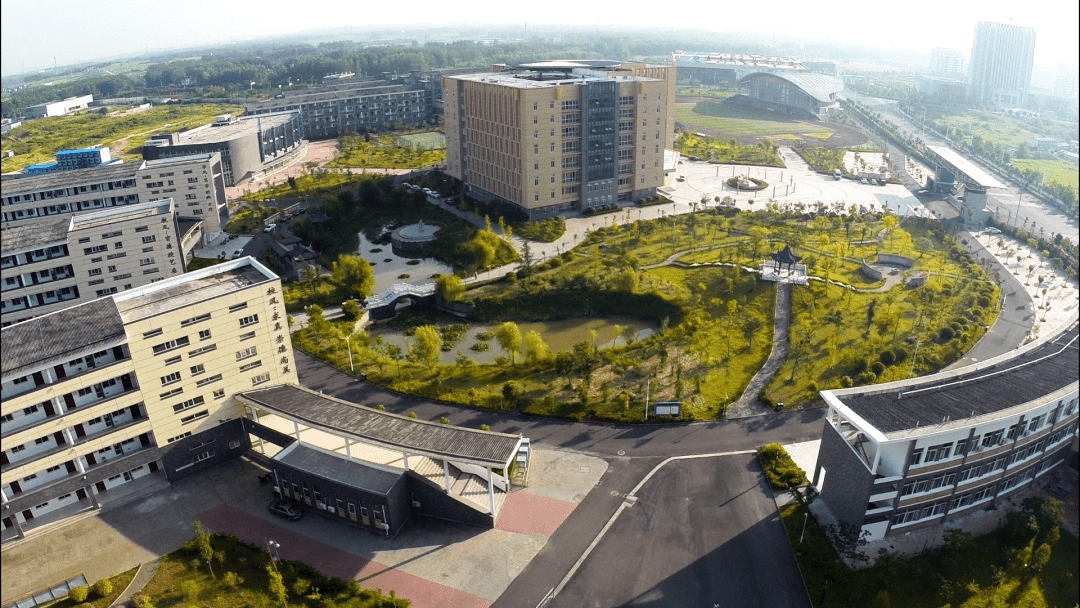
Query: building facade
906	455
67	160
248	146
1001	62
712	69
195	183
57	263
947	63
60	108
553	137
105	397
357	106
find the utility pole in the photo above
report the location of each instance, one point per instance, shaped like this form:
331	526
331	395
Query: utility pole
647	383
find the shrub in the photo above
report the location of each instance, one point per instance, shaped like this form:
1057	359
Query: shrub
780	469
142	601
812	387
887	357
190	590
444	420
102	587
78	594
381	407
847	382
877	367
484	427
412	414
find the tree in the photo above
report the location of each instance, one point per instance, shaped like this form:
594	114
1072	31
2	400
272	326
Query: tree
511	392
309	276
354	276
534	347
351	309
102	588
449	287
278	593
509	338
426	346
627	281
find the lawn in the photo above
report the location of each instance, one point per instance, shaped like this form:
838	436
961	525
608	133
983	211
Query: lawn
992	571
1001	129
728	150
432	140
731	119
389	152
319	183
38	141
242	577
1054	171
715	322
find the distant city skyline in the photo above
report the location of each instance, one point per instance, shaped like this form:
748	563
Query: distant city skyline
76	32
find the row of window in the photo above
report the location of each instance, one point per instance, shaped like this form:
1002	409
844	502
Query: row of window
988	440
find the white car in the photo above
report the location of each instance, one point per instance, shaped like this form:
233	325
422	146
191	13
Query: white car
236	254
270	228
992	231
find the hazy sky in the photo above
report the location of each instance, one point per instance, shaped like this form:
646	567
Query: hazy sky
76	31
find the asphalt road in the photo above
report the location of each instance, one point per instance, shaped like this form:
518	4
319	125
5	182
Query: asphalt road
702	530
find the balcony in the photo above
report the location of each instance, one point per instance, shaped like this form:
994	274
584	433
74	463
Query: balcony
884	496
72	369
126	421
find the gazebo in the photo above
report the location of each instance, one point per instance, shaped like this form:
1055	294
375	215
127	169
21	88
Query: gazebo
785	257
785	267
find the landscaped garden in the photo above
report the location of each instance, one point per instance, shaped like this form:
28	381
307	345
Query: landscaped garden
1030	561
728	151
385	152
709	326
221	571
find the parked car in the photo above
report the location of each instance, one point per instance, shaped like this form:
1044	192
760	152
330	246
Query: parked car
992	230
237	253
863	180
270	228
680	179
289	509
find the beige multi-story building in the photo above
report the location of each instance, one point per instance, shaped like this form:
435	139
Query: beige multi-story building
194	182
55	263
107	397
557	136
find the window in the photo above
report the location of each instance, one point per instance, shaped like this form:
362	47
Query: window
146	261
172	393
916	457
172	360
938	452
249	366
152	332
245	353
198	369
219	393
236	307
170	345
179	437
106	292
204	334
260	379
190	403
193	320
95	249
249	320
149	239
992	439
170	378
249	335
209	380
201	350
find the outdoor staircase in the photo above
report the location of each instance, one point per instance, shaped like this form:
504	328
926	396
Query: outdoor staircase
467	487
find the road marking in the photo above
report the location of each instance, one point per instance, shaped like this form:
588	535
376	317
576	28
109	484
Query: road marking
631	498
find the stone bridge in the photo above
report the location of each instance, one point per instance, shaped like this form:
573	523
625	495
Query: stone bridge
382	305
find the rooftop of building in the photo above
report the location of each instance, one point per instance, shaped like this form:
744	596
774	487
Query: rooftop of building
971	392
548	77
336	468
735	60
59	336
34	235
821	87
968	169
191	288
92	175
383	428
112	215
340	90
242	127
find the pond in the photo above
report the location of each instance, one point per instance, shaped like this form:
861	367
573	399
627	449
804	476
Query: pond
559	335
389	266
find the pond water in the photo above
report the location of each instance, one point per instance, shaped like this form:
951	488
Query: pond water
388	266
559	335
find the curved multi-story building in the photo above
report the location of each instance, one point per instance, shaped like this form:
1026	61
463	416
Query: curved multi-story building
906	455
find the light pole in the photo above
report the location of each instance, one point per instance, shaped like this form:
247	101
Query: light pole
271	547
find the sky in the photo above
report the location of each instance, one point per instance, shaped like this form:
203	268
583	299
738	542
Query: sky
78	31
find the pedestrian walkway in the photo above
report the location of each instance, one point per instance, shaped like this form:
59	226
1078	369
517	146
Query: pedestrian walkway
142	577
748	404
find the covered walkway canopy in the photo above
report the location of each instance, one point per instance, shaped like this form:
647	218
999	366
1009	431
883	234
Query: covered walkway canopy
964	169
366	425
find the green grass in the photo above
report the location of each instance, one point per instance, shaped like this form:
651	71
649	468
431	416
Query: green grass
708	354
249	562
1001	129
119	583
386	152
731	119
200	263
980	574
1054	171
432	140
249	219
38	141
307	186
727	151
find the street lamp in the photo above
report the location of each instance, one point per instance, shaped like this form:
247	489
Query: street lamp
348	346
272	547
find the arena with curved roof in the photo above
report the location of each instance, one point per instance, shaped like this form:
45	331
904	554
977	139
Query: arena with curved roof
804	95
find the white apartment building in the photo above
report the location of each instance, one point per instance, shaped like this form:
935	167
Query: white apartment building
57	262
110	396
194	182
905	455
